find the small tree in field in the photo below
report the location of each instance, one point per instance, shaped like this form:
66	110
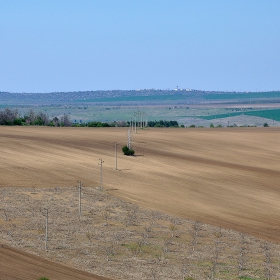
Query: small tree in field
266	124
127	151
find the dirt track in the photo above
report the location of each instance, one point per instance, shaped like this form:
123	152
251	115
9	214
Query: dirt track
227	177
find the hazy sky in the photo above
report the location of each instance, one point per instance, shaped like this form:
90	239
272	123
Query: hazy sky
72	45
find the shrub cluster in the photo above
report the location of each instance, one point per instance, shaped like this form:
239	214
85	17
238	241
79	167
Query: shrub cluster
100	124
163	123
13	117
127	151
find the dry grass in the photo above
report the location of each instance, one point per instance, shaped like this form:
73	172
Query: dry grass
128	242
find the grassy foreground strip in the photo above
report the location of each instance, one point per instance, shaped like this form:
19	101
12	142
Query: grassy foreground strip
117	239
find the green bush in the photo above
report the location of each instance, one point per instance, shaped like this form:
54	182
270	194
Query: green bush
17	121
127	151
43	278
266	124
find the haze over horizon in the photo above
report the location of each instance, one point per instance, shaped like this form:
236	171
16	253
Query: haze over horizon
62	46
144	90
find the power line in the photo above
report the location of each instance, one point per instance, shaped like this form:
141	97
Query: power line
128	139
46	231
80	196
116	154
101	177
131	127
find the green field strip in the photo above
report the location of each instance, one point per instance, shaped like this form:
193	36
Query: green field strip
268	114
251	95
220	116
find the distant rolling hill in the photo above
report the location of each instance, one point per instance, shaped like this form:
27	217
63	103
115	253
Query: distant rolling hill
145	96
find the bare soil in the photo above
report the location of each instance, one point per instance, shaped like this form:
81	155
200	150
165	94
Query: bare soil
17	264
226	177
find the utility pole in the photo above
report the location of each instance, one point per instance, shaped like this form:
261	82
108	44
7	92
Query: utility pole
137	121
131	128
46	232
146	120
128	139
116	153
80	196
101	179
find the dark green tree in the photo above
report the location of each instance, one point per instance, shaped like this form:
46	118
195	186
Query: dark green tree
127	151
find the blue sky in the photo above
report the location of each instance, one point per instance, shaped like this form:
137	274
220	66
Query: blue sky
73	45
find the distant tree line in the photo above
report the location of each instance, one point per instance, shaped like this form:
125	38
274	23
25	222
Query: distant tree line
101	124
13	117
163	123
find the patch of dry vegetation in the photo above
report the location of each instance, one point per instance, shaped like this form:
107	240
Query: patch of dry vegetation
121	240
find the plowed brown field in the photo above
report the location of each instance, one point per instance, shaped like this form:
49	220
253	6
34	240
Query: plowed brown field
227	177
15	264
